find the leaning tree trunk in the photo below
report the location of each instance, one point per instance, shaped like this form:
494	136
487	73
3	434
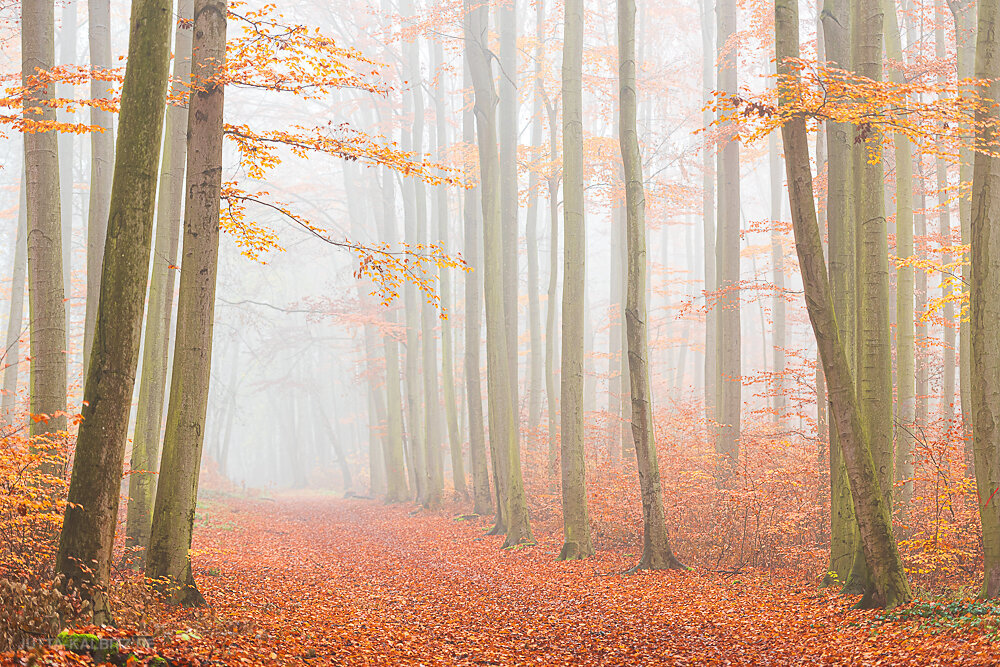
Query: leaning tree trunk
168	558
145	461
102	160
88	532
502	418
874	349
46	294
874	522
15	318
984	295
727	260
576	524
482	501
656	551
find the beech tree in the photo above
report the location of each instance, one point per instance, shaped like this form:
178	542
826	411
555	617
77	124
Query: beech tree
88	532
168	559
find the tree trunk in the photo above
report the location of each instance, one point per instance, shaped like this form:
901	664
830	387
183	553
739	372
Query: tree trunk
727	260
984	296
168	558
482	501
509	202
840	223
67	56
656	551
447	356
15	319
964	13
552	298
778	269
88	531
576	525
396	489
874	351
891	587
708	56
46	293
905	328
512	510
535	363
102	160
145	461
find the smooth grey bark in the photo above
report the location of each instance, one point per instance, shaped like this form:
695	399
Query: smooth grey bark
778	271
535	363
729	382
15	318
168	558
949	355
102	161
708	57
46	290
509	202
67	56
88	532
512	509
873	342
482	500
145	460
656	551
966	31
441	227
552	296
576	524
840	225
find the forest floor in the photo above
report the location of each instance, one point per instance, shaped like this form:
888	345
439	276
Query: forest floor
319	580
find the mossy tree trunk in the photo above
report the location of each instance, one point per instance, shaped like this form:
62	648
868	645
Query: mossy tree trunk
656	551
891	587
88	531
984	295
576	524
168	558
145	461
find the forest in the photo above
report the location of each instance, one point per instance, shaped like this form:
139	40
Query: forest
499	332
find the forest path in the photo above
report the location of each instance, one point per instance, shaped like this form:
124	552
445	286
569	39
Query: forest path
326	580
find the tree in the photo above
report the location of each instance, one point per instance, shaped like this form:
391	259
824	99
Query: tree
102	161
535	363
729	382
145	461
840	225
512	510
15	317
576	524
47	313
168	559
482	501
656	551
905	328
984	294
873	349
708	207
88	531
875	526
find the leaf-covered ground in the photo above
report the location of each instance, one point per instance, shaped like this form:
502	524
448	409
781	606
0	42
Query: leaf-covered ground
318	580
